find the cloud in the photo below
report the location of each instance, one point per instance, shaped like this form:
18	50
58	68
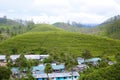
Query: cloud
10	11
85	11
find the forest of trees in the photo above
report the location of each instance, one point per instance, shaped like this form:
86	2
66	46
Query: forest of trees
113	30
9	28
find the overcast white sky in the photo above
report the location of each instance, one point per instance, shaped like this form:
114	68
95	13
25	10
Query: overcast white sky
84	11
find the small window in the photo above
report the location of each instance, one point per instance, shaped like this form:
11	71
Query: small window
58	78
75	76
65	78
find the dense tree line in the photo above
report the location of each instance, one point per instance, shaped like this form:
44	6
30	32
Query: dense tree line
108	73
9	28
112	27
4	73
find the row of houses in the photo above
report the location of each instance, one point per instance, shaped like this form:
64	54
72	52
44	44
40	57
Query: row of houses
59	73
14	57
58	76
82	63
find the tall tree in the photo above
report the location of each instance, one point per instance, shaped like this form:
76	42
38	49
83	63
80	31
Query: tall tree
21	61
86	54
14	50
9	60
117	57
48	69
4	73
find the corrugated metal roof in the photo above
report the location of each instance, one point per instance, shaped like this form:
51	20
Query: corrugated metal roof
44	56
51	75
81	60
32	56
40	75
58	66
63	74
93	60
2	57
41	67
14	57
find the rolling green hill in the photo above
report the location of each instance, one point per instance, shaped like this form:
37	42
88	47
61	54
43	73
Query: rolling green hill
60	42
45	27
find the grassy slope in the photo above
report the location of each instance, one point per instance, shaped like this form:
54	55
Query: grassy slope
62	42
45	27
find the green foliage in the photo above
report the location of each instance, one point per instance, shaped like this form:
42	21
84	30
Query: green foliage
103	64
61	41
117	57
31	63
4	73
44	28
48	60
10	28
111	28
14	51
48	68
9	61
86	54
69	60
21	61
107	73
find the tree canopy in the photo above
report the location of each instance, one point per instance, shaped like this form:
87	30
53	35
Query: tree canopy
4	73
48	68
108	73
86	54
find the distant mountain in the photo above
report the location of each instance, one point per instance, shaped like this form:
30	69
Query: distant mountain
5	21
90	25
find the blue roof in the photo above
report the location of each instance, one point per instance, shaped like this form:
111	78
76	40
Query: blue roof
80	60
15	69
40	68
58	66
